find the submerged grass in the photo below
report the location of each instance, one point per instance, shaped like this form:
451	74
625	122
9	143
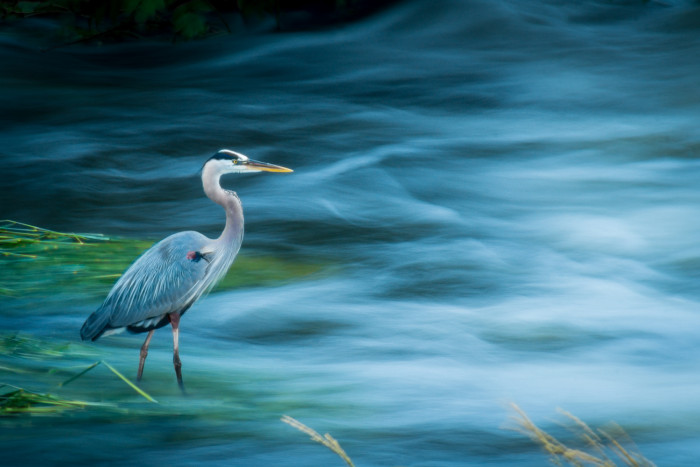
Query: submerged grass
22	401
140	391
16	345
600	446
19	400
39	262
14	234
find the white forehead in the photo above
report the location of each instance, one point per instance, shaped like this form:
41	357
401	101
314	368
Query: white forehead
235	154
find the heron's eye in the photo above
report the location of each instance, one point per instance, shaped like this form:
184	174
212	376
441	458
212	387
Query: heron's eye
235	161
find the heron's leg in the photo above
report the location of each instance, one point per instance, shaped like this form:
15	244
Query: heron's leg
144	354
175	322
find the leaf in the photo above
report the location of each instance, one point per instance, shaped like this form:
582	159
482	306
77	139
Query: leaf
130	6
127	381
147	9
73	378
189	19
27	8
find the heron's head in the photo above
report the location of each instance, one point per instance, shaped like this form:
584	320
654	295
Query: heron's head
227	161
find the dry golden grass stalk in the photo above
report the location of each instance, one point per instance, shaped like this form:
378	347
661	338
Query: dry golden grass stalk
595	443
327	440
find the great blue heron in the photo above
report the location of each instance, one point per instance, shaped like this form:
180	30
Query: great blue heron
169	277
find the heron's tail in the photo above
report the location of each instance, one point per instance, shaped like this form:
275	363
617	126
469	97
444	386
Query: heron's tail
95	325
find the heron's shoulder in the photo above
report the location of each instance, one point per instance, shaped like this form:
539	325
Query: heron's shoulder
185	237
178	244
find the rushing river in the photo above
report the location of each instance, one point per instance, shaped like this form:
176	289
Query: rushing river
505	196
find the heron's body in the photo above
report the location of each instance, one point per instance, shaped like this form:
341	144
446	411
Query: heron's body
167	279
163	280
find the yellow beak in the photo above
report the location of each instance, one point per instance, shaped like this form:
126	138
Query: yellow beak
267	167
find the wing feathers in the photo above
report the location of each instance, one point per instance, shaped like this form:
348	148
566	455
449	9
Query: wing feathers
162	280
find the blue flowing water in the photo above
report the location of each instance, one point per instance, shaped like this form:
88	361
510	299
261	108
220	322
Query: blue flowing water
506	194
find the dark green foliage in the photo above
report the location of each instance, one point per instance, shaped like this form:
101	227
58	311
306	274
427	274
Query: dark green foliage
178	19
39	361
190	20
143	10
22	401
89	19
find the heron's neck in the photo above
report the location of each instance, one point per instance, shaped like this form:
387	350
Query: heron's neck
233	232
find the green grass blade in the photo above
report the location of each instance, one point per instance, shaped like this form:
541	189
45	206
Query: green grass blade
73	378
127	381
